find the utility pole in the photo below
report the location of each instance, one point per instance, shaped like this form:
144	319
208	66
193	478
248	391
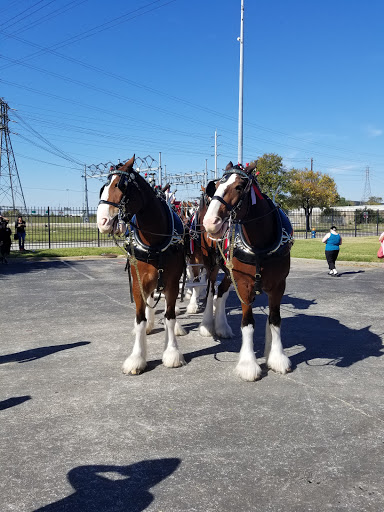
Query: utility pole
86	205
11	192
160	176
240	127
206	173
367	187
215	155
311	164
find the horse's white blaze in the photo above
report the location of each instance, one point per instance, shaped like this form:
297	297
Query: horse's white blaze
137	361
212	222
207	324
221	324
247	367
172	357
106	213
276	359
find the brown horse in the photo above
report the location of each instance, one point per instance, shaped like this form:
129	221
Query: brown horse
156	238
258	239
205	254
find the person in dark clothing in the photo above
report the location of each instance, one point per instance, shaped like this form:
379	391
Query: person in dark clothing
5	240
333	241
20	232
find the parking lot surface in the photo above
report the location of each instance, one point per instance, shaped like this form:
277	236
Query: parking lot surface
79	435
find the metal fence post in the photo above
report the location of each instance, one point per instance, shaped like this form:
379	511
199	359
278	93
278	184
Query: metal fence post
355	224
377	223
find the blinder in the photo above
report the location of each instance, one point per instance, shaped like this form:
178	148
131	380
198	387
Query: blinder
211	188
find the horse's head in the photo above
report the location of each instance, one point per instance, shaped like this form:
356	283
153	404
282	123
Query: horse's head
114	195
227	198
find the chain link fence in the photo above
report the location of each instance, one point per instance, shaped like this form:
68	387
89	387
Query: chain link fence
50	228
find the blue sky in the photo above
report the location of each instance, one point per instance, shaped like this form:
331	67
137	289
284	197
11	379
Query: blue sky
95	82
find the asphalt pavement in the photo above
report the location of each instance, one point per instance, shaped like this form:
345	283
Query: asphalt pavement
79	435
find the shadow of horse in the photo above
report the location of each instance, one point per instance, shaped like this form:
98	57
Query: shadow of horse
12	402
103	488
36	353
325	341
328	340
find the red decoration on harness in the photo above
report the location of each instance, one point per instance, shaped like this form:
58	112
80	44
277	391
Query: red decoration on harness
257	191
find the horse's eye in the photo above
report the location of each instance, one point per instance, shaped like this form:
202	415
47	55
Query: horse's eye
239	188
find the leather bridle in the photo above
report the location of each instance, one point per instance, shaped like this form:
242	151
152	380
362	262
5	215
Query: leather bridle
126	177
236	207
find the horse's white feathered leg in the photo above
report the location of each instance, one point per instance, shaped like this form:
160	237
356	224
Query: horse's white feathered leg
150	314
247	367
207	325
222	327
172	357
179	329
193	305
276	358
137	361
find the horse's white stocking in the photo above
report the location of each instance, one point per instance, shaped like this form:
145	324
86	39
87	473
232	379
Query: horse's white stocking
247	367
150	314
207	325
275	356
222	328
172	357
179	329
193	305
137	361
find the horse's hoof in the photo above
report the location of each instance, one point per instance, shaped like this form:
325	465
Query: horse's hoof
134	372
206	331
248	372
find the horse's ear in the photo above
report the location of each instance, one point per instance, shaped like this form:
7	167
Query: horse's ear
229	166
129	164
251	167
211	189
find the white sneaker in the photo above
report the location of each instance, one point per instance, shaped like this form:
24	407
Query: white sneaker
335	272
330	273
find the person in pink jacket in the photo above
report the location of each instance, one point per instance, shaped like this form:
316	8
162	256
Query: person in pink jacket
380	252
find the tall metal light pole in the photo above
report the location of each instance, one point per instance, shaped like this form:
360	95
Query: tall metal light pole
240	128
215	155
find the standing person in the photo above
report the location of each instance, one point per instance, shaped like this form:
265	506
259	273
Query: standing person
333	241
5	239
380	252
20	232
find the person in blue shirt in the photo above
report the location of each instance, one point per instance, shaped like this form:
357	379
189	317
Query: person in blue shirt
333	241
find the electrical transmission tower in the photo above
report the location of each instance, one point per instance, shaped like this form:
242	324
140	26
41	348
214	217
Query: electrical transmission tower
11	192
367	187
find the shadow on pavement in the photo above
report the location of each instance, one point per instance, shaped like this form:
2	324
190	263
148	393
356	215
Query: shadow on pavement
36	353
23	265
327	338
15	400
103	488
322	338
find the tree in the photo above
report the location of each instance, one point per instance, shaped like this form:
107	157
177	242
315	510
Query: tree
344	202
309	189
375	200
272	177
